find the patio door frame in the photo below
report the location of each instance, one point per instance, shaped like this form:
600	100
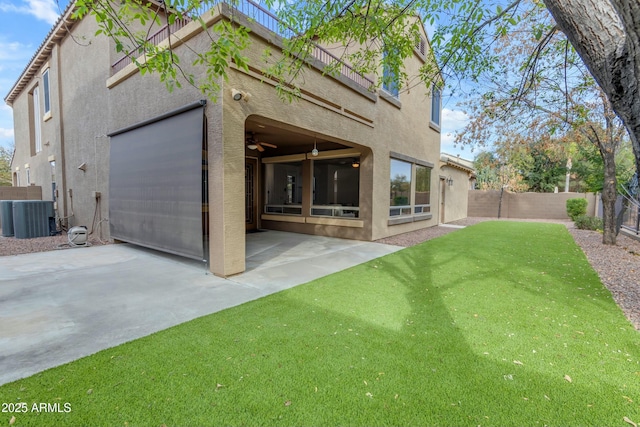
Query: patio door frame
443	187
251	177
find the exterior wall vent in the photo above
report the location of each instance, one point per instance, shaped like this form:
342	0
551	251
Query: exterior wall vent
6	217
31	218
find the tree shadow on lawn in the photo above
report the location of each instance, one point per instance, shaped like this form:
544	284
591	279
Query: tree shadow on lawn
473	351
419	337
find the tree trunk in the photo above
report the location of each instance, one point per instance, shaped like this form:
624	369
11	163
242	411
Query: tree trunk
606	35
609	195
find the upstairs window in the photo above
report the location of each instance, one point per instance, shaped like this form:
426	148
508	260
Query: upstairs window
35	120
436	104
45	89
389	78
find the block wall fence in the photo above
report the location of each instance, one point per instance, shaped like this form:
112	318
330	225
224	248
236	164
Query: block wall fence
525	205
32	192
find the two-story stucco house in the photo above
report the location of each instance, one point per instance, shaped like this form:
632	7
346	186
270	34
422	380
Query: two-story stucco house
132	161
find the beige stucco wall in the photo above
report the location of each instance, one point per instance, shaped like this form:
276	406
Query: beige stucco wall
73	134
25	154
399	127
395	126
91	104
84	105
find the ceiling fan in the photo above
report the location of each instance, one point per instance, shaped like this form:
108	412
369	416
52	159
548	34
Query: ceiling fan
254	144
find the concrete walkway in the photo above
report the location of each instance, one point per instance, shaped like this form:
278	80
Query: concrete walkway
59	306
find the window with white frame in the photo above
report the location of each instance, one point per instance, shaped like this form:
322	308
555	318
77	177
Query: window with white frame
423	190
36	120
410	188
400	188
389	78
28	172
436	105
46	95
283	188
336	188
52	164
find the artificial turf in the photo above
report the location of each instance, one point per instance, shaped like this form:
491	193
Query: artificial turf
497	324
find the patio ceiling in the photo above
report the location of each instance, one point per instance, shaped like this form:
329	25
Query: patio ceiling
289	139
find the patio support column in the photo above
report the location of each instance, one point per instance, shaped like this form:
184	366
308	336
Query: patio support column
367	192
226	190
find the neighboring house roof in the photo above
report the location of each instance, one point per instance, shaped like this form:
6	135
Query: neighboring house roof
458	163
60	29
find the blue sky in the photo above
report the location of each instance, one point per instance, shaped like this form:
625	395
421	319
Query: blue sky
25	23
23	27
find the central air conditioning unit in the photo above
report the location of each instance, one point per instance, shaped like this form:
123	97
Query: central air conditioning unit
31	218
77	236
6	217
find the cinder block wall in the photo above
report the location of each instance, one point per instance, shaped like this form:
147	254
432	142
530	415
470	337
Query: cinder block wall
33	192
525	205
485	204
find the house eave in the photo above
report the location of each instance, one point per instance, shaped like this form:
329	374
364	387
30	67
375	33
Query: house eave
59	30
456	163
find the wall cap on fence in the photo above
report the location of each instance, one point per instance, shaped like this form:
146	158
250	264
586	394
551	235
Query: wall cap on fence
486	203
32	192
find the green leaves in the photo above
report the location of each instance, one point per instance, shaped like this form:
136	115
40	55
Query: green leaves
363	30
226	48
5	166
369	36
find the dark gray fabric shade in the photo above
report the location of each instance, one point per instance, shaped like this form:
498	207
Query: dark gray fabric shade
156	184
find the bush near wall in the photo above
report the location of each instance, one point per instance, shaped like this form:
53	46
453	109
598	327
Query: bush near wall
576	207
586	222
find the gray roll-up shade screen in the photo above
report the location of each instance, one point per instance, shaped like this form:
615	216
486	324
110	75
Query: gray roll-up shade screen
155	184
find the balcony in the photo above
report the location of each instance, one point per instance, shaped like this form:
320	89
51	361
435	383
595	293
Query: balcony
260	16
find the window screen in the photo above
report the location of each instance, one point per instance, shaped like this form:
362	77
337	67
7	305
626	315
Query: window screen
156	183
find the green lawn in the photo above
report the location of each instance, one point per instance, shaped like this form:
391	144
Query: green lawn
497	324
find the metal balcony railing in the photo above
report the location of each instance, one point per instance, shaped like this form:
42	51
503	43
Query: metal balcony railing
261	16
631	215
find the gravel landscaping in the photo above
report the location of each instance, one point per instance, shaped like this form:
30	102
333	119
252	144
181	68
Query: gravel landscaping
12	246
618	266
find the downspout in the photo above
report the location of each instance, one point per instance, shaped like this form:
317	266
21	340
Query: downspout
63	168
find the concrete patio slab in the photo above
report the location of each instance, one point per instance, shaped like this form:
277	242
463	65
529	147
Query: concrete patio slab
58	306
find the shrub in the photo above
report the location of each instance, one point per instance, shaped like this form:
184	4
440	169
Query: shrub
400	201
585	222
576	207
